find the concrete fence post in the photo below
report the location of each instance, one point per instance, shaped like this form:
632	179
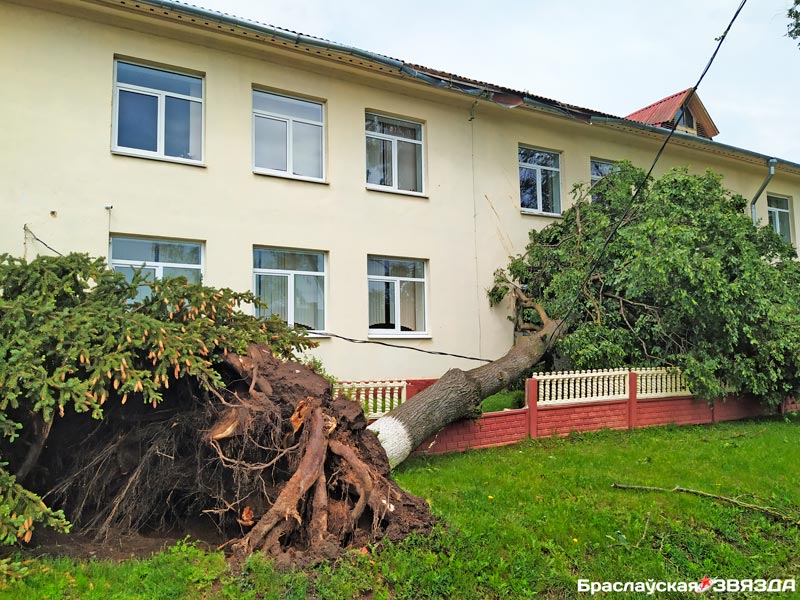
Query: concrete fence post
632	399
531	399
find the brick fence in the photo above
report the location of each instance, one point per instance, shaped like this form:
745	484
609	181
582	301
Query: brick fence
589	401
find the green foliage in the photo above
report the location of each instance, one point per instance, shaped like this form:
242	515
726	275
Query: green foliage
315	364
688	281
522	521
793	28
72	337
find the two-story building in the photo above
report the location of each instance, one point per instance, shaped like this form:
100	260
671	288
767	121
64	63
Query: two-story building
355	193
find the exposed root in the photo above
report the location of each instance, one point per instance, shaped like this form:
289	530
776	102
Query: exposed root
359	477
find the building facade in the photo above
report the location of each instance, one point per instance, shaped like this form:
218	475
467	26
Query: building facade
356	194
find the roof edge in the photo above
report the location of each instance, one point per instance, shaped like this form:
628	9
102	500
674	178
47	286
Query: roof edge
471	88
696	139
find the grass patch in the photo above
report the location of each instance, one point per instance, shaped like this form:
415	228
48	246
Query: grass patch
503	400
524	521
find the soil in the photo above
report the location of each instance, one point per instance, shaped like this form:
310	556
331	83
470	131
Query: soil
270	463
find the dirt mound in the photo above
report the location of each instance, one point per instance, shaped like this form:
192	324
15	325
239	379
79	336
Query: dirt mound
271	459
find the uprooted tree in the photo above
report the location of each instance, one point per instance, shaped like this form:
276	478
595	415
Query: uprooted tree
198	411
687	282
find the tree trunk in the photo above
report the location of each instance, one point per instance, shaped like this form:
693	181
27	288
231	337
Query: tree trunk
458	395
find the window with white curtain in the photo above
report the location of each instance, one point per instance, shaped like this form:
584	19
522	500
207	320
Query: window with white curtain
287	136
292	284
396	296
157	113
394	154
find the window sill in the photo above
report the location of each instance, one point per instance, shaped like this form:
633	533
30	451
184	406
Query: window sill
171	159
318	335
412	335
539	213
388	190
283	175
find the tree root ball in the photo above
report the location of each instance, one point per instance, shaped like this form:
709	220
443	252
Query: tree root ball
279	465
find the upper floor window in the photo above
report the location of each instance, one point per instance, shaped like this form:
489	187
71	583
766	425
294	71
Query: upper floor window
780	216
396	295
287	136
599	169
292	284
157	113
539	181
394	154
156	259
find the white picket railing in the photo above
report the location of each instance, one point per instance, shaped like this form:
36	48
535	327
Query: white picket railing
660	383
375	397
566	387
582	386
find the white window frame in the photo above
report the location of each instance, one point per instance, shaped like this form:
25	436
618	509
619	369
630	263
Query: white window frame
397	332
592	179
289	274
289	172
539	169
161	123
157	265
394	139
775	210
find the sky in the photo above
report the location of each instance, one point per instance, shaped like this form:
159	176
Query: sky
614	56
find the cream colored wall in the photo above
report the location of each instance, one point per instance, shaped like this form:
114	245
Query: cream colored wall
60	175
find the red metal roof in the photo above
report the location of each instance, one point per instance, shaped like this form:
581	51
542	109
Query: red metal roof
660	112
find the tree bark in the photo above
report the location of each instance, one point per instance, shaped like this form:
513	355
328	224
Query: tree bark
458	394
41	430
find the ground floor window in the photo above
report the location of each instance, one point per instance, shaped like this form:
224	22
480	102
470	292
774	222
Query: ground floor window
396	295
292	284
156	259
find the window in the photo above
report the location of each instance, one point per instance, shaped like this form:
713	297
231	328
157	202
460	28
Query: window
394	154
156	259
598	170
287	136
539	181
780	216
158	114
292	284
396	295
684	118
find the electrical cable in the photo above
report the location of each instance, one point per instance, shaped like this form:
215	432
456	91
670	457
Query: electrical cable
641	185
29	231
401	347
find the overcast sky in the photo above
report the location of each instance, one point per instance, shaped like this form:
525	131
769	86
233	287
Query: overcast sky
611	55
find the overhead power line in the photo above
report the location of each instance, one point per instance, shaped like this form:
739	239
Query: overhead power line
402	347
641	185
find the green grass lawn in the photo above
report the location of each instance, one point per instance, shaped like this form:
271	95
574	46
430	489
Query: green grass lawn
523	521
502	400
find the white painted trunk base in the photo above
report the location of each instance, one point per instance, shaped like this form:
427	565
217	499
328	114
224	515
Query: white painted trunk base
394	438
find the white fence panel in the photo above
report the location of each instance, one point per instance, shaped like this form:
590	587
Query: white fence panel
376	397
567	387
660	383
